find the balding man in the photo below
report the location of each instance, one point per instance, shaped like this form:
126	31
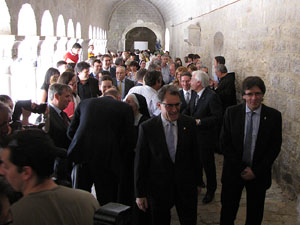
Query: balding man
121	82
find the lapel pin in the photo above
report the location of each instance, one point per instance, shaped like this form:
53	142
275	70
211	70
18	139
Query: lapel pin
265	118
184	128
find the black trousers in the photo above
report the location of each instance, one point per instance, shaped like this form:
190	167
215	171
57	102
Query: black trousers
186	207
230	199
109	187
208	162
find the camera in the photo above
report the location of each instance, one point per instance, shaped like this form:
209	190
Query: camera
27	105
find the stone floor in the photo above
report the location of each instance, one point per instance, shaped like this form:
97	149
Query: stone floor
278	209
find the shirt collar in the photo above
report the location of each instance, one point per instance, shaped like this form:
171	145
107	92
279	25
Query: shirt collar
184	91
200	92
55	108
257	111
166	122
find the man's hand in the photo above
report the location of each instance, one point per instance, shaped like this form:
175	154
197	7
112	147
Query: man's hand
247	174
142	203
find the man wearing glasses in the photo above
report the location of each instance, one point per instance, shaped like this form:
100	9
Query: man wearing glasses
250	141
166	162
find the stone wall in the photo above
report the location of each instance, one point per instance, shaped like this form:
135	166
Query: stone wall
130	14
259	38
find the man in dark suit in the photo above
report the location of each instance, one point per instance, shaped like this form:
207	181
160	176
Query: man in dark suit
97	69
166	162
87	87
57	125
121	82
106	61
251	140
103	140
186	94
225	89
206	109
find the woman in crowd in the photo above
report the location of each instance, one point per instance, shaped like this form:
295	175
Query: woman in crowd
180	70
51	77
69	78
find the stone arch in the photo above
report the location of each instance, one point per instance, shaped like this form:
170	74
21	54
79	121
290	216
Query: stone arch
70	31
26	21
140	34
153	27
5	18
47	27
61	27
78	30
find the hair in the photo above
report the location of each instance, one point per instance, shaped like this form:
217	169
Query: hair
181	69
172	90
65	77
196	56
190	56
105	77
113	92
119	61
96	61
141	74
134	63
203	77
105	56
251	82
77	46
220	60
5	99
58	88
61	62
186	74
50	72
105	72
192	67
71	66
152	77
82	66
4	108
33	148
221	68
178	59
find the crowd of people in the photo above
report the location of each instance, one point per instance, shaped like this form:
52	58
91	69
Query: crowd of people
141	128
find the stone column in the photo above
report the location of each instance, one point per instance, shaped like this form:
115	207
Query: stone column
6	45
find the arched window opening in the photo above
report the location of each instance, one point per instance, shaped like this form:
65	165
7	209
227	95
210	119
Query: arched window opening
26	21
167	40
71	29
47	27
5	18
61	27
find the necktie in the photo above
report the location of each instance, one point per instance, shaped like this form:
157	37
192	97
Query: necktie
65	118
187	97
171	140
196	100
120	88
248	141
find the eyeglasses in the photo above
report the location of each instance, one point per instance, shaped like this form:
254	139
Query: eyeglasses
170	106
257	94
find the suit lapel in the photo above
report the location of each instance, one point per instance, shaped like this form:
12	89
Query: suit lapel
240	126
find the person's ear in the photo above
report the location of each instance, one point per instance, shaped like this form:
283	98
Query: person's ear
27	172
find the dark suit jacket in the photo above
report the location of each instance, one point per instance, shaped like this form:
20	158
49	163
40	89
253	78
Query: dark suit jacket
128	84
226	91
112	71
267	146
209	111
182	99
88	90
102	133
155	173
58	129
